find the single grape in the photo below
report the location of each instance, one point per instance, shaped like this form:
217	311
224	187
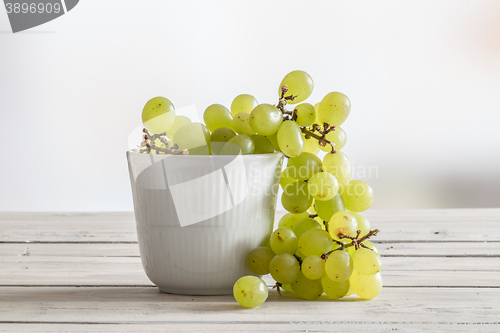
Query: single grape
306	288
323	186
334	109
315	242
259	258
296	198
334	289
300	85
327	208
274	141
283	240
313	267
266	119
363	223
219	137
316	108
240	144
290	139
306	165
194	137
339	137
290	220
217	116
262	144
357	195
366	286
243	103
304	225
179	121
342	223
158	115
284	268
338	165
366	261
250	291
310	145
306	115
241	124
288	176
339	266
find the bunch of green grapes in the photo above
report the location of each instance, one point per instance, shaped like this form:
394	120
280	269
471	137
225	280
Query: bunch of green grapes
321	245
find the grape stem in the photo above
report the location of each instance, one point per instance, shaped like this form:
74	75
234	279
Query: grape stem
147	146
278	287
355	241
299	259
292	115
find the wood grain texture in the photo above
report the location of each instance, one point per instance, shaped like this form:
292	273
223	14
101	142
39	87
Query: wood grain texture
81	272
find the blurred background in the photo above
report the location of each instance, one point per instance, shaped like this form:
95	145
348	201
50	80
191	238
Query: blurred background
423	78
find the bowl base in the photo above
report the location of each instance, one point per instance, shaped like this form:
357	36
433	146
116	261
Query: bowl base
196	291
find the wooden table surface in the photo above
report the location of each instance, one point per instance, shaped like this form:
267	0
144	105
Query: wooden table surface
73	272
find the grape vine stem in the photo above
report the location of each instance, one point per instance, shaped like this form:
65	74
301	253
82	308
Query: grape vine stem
293	116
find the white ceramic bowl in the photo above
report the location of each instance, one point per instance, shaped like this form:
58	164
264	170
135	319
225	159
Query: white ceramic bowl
198	217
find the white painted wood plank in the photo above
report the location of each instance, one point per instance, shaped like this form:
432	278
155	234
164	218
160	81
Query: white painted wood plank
146	306
476	249
397	271
426	225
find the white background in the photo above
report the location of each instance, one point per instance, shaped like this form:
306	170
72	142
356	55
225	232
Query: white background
423	78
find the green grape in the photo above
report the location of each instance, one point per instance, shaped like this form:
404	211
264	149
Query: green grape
339	266
327	208
315	241
290	220
217	116
265	119
241	124
306	224
334	109
366	261
290	139
316	108
366	286
250	291
158	115
363	223
296	198
339	137
288	177
306	165
284	268
283	240
194	137
342	223
300	85
371	246
262	144
239	144
350	291
334	289
310	145
243	103
259	258
274	141
338	165
219	137
323	186
313	267
306	115
306	288
357	195
287	287
179	121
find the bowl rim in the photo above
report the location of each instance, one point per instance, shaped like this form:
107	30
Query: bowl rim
129	152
